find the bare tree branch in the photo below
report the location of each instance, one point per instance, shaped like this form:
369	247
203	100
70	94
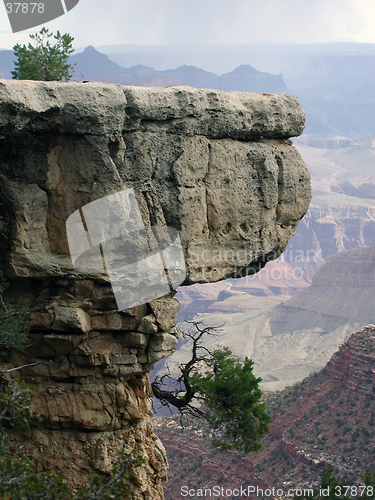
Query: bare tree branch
20	367
183	393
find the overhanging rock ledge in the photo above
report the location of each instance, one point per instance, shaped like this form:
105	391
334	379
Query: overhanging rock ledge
216	166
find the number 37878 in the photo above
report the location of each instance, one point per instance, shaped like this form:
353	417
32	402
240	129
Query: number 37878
24	8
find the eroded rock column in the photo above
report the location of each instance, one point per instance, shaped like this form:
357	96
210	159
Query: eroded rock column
91	387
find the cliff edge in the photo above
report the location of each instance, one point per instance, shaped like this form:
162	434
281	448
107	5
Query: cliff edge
217	167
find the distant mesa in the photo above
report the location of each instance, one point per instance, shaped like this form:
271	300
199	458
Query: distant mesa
97	66
247	79
194	77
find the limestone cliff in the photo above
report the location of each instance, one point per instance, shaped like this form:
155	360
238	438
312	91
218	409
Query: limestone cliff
216	166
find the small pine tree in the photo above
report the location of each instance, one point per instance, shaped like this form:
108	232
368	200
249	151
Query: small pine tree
41	60
230	392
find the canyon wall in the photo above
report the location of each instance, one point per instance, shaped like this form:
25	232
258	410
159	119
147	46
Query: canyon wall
326	419
327	230
215	166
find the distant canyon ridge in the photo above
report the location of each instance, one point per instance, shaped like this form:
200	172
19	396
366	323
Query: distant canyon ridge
91	65
334	81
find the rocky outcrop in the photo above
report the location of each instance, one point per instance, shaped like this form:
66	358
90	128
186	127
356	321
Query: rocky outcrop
247	78
217	167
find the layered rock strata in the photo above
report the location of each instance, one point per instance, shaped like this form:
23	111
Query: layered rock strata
216	166
325	231
327	419
338	401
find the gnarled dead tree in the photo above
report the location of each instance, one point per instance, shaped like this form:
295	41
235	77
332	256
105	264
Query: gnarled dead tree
179	392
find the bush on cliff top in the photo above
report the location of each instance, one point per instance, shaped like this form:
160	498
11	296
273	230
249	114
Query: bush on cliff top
41	60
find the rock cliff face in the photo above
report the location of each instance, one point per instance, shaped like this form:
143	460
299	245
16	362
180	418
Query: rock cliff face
215	166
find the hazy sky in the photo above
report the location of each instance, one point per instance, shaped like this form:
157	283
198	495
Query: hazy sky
165	22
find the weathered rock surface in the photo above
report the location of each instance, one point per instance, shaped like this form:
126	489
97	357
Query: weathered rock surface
216	166
186	153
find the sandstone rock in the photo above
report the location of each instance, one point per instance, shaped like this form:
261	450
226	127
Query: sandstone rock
165	311
136	339
218	114
69	319
130	369
216	166
198	138
40	320
160	345
103	298
124	359
38	347
84	289
114	321
62	344
59	368
148	324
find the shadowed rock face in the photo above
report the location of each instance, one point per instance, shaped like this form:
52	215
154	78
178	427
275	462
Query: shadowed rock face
216	166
